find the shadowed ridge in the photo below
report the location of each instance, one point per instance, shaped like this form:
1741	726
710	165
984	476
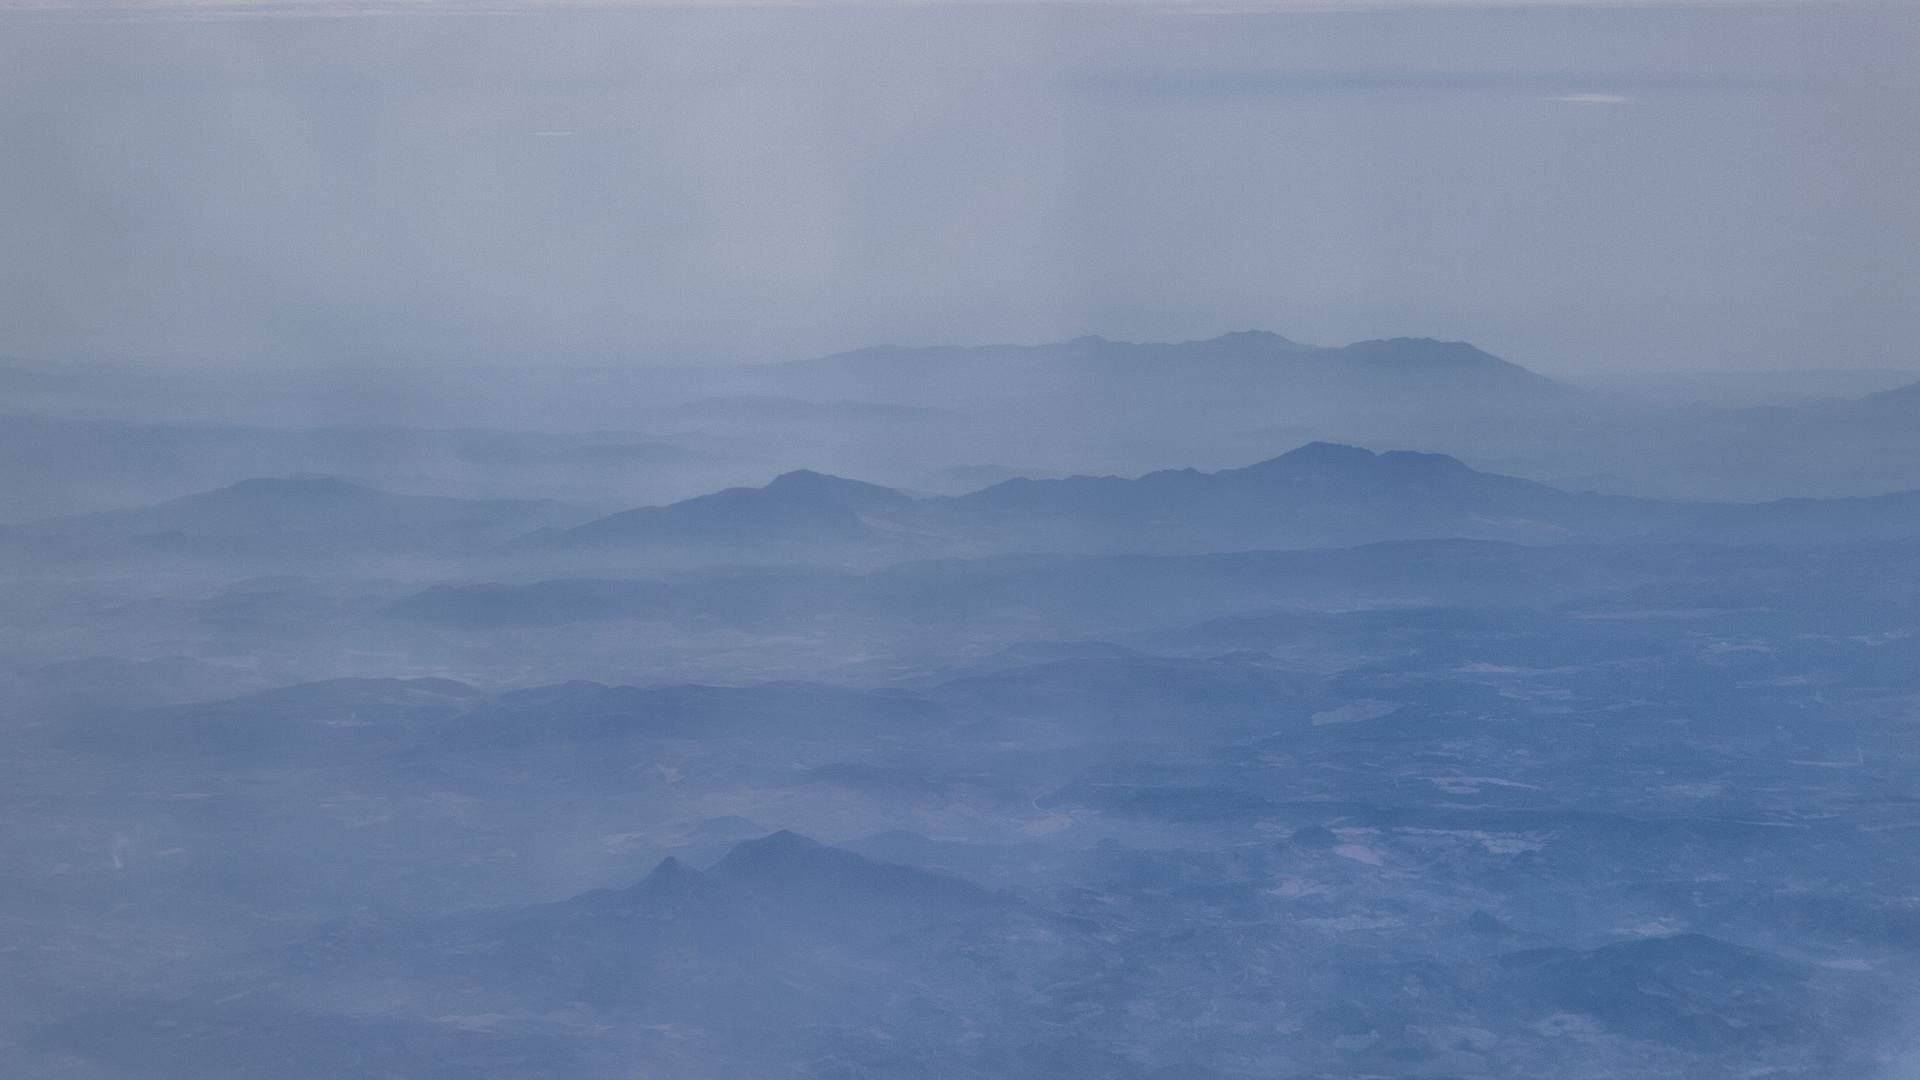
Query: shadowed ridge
302	488
804	876
807	484
1236	348
1898	399
1237	345
263	503
940	375
671	889
671	873
1318	454
1263	338
1353	462
801	507
1405	357
1352	469
670	884
1322	494
313	515
767	856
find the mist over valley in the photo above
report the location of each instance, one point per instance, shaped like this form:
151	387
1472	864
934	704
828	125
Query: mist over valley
964	541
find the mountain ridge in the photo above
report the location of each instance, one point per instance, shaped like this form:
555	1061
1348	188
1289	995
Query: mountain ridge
300	515
1248	360
1313	496
1318	495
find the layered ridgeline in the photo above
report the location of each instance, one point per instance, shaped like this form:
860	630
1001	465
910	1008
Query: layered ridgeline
938	419
1125	406
298	517
1252	371
1321	495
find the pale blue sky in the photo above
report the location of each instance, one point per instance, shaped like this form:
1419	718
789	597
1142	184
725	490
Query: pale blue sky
1575	188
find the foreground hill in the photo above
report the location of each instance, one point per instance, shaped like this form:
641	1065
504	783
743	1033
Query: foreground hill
1555	810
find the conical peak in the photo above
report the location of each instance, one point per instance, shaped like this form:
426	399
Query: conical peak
671	867
672	878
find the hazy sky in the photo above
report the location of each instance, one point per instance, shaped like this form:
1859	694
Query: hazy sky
1571	187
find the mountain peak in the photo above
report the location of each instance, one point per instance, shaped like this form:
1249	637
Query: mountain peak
1405	356
802	506
1250	337
807	484
803	478
1324	452
669	868
769	854
672	878
1352	460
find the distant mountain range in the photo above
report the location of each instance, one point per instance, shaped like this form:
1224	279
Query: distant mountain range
798	512
300	516
926	419
1321	495
1121	406
1254	362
